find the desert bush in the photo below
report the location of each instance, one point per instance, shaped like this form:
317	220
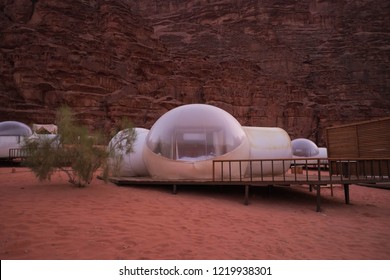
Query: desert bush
75	151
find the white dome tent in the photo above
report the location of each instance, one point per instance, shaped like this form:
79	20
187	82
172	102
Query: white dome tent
12	136
131	164
302	147
184	141
305	149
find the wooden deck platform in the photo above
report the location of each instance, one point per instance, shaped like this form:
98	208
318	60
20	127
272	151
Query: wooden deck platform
317	179
288	180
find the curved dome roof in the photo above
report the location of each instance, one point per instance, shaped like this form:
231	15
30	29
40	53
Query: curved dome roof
302	147
14	128
132	163
195	132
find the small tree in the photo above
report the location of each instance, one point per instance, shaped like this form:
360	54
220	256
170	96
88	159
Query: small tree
74	150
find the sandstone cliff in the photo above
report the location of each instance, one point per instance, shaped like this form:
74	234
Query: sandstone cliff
301	65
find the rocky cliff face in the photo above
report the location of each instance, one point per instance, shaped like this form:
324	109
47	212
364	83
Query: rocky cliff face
300	65
95	56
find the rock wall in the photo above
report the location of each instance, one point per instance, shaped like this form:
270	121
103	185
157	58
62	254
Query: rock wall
95	56
300	65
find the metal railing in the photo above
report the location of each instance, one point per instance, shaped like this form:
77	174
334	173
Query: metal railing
310	170
17	153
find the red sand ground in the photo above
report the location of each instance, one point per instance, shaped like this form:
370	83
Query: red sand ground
55	220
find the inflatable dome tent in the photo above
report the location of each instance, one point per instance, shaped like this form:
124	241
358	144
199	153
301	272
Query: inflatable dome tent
12	135
305	148
131	164
302	147
184	141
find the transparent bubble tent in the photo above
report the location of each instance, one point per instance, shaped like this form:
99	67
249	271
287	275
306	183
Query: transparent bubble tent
12	135
184	141
130	164
304	148
13	128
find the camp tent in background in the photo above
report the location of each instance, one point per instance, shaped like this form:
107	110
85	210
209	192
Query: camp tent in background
45	128
12	136
45	132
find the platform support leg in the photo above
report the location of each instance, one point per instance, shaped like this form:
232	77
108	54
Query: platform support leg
174	190
269	188
318	209
246	202
310	188
346	193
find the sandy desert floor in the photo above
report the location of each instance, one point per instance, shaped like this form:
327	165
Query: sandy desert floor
55	220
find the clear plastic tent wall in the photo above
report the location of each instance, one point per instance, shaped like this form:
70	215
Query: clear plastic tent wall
13	128
184	141
12	135
302	147
131	164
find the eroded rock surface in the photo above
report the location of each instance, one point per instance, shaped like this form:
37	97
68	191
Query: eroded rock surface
300	65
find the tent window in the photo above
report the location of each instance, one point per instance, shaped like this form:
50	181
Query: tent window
197	144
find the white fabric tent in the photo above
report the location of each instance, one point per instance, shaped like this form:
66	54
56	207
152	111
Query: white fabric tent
45	128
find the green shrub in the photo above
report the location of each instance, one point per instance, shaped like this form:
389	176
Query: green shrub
74	150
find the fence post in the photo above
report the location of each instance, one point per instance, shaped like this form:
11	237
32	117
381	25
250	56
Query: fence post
318	198
246	195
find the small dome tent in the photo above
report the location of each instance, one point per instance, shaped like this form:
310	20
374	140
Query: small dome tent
269	143
12	135
184	141
302	147
305	149
14	128
131	164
